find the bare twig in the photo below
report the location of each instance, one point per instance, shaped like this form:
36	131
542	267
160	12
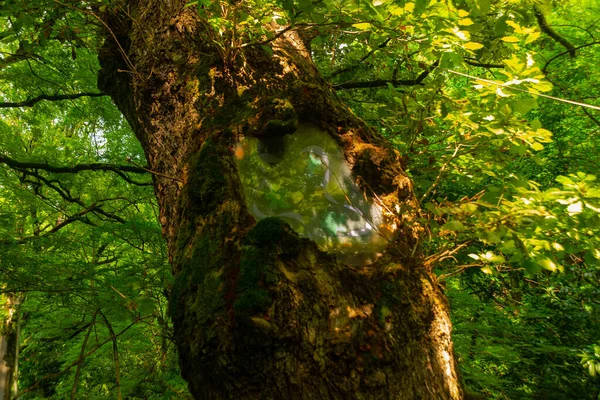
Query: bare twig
440	174
475	63
81	353
115	354
459	270
156	173
362	59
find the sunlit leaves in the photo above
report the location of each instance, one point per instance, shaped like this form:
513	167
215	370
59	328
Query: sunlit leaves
473	46
362	26
590	360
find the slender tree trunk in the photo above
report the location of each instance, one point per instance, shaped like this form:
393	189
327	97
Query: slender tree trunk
259	312
5	370
17	349
9	346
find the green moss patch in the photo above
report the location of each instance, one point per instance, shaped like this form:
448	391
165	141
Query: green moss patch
258	272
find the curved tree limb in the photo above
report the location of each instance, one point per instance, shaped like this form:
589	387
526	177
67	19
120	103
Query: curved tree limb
547	29
57	97
64	192
80	216
384	82
117	169
71	170
566	52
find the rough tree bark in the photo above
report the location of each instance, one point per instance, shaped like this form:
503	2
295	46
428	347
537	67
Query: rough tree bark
259	312
9	346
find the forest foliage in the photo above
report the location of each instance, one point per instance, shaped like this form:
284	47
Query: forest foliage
493	106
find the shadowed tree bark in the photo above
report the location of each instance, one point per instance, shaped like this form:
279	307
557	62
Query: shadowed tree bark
258	311
9	346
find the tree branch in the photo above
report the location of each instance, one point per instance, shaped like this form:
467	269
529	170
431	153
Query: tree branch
115	354
117	169
363	58
66	194
591	116
384	82
71	170
475	63
31	102
566	52
80	216
547	29
81	353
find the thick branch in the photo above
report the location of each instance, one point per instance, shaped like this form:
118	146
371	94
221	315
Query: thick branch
547	29
475	63
117	169
70	170
31	102
384	82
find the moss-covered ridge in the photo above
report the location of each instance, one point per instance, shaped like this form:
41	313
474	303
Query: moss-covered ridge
270	238
207	255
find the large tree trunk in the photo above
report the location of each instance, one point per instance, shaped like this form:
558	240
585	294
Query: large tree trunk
258	311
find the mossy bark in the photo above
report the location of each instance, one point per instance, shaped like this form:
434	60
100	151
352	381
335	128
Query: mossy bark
259	312
9	346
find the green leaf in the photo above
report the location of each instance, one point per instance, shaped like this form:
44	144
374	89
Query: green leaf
500	26
362	26
267	49
548	264
543	86
146	305
564	180
524	105
531	267
472	46
537	146
484	6
453	226
420	6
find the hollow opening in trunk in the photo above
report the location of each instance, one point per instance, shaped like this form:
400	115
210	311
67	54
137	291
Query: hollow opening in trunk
304	179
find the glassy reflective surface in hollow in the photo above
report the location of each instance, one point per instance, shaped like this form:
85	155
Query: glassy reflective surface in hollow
304	179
